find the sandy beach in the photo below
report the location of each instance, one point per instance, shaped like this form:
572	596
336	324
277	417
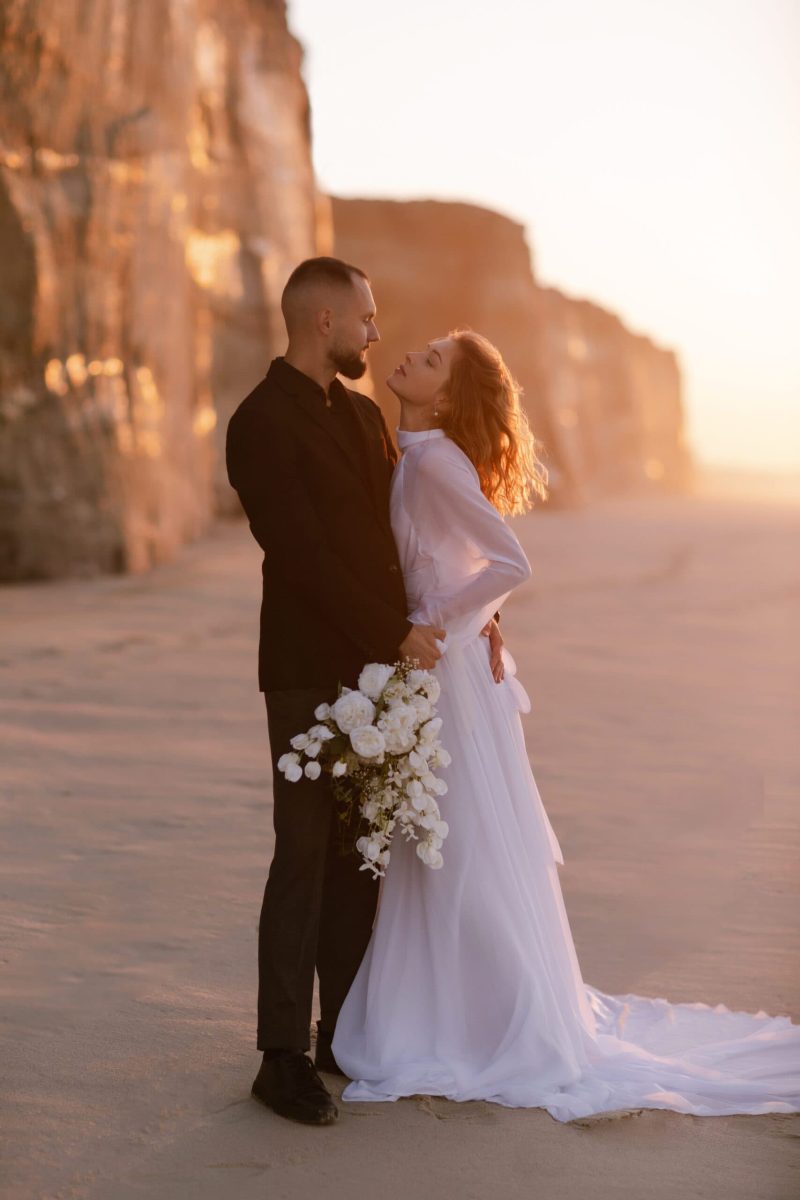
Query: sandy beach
658	641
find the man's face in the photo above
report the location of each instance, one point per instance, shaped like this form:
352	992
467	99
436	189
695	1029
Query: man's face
353	329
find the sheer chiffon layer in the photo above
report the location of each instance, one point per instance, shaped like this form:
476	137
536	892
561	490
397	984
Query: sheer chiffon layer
471	989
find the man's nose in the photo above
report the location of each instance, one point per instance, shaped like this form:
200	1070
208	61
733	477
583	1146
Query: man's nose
374	336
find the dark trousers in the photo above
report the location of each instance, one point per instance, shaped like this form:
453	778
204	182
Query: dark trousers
318	906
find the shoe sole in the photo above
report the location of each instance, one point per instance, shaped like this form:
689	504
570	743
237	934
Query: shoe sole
325	1119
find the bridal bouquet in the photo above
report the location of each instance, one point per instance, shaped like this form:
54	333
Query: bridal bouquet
380	744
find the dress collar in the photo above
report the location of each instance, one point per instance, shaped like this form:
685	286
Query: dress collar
405	437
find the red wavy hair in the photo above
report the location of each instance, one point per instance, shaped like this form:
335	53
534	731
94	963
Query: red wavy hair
484	416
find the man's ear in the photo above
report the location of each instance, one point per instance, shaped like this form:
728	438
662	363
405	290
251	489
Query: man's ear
325	320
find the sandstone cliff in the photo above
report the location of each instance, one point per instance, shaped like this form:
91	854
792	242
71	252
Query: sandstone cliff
605	403
155	190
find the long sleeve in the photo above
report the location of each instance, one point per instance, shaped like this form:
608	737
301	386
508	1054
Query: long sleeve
476	557
262	469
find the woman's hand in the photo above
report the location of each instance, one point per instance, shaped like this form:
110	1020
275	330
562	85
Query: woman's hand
492	631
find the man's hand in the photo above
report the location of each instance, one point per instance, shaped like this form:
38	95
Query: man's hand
420	643
492	631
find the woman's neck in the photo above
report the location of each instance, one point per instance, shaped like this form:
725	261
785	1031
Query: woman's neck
412	420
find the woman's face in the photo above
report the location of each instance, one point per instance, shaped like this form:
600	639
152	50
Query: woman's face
420	377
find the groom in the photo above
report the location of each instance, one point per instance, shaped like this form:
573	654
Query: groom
312	462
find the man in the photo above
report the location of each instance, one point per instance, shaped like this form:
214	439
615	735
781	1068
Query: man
312	462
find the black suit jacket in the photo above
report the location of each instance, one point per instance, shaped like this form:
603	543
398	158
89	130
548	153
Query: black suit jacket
316	494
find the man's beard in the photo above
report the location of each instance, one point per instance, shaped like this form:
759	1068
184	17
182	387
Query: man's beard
351	365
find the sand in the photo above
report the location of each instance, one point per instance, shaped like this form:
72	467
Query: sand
658	640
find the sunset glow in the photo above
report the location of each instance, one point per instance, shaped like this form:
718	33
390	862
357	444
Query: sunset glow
650	151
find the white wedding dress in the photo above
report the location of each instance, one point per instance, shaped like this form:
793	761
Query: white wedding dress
470	987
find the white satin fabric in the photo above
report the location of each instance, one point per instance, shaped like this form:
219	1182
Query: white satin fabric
470	987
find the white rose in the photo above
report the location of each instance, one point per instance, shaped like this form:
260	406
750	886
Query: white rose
352	710
299	741
293	772
286	759
422	707
367	741
398	715
415	678
322	711
400	741
430	730
373	679
339	768
432	689
313	770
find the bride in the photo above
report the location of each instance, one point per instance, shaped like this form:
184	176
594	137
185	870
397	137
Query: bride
470	987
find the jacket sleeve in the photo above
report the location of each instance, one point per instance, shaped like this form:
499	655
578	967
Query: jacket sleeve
477	558
262	467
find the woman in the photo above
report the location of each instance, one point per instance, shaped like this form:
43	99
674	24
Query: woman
470	987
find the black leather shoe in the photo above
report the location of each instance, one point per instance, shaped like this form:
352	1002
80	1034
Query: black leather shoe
291	1087
323	1055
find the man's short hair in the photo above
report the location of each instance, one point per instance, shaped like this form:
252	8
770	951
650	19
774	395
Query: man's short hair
322	270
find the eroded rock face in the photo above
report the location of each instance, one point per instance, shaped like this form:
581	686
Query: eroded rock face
604	402
614	396
155	191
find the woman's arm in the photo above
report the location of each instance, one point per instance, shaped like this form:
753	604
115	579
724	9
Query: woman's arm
478	558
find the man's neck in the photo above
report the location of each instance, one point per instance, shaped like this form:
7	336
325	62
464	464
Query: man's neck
321	372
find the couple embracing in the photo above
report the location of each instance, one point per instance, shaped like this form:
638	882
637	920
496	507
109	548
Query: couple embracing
463	982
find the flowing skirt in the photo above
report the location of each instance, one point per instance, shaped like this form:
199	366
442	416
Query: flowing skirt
470	987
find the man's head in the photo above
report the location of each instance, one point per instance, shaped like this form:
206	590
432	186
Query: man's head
328	308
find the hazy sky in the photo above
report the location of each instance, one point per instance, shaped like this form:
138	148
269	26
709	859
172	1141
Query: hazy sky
650	147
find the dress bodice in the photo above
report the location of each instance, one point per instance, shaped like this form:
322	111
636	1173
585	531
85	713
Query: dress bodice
460	560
